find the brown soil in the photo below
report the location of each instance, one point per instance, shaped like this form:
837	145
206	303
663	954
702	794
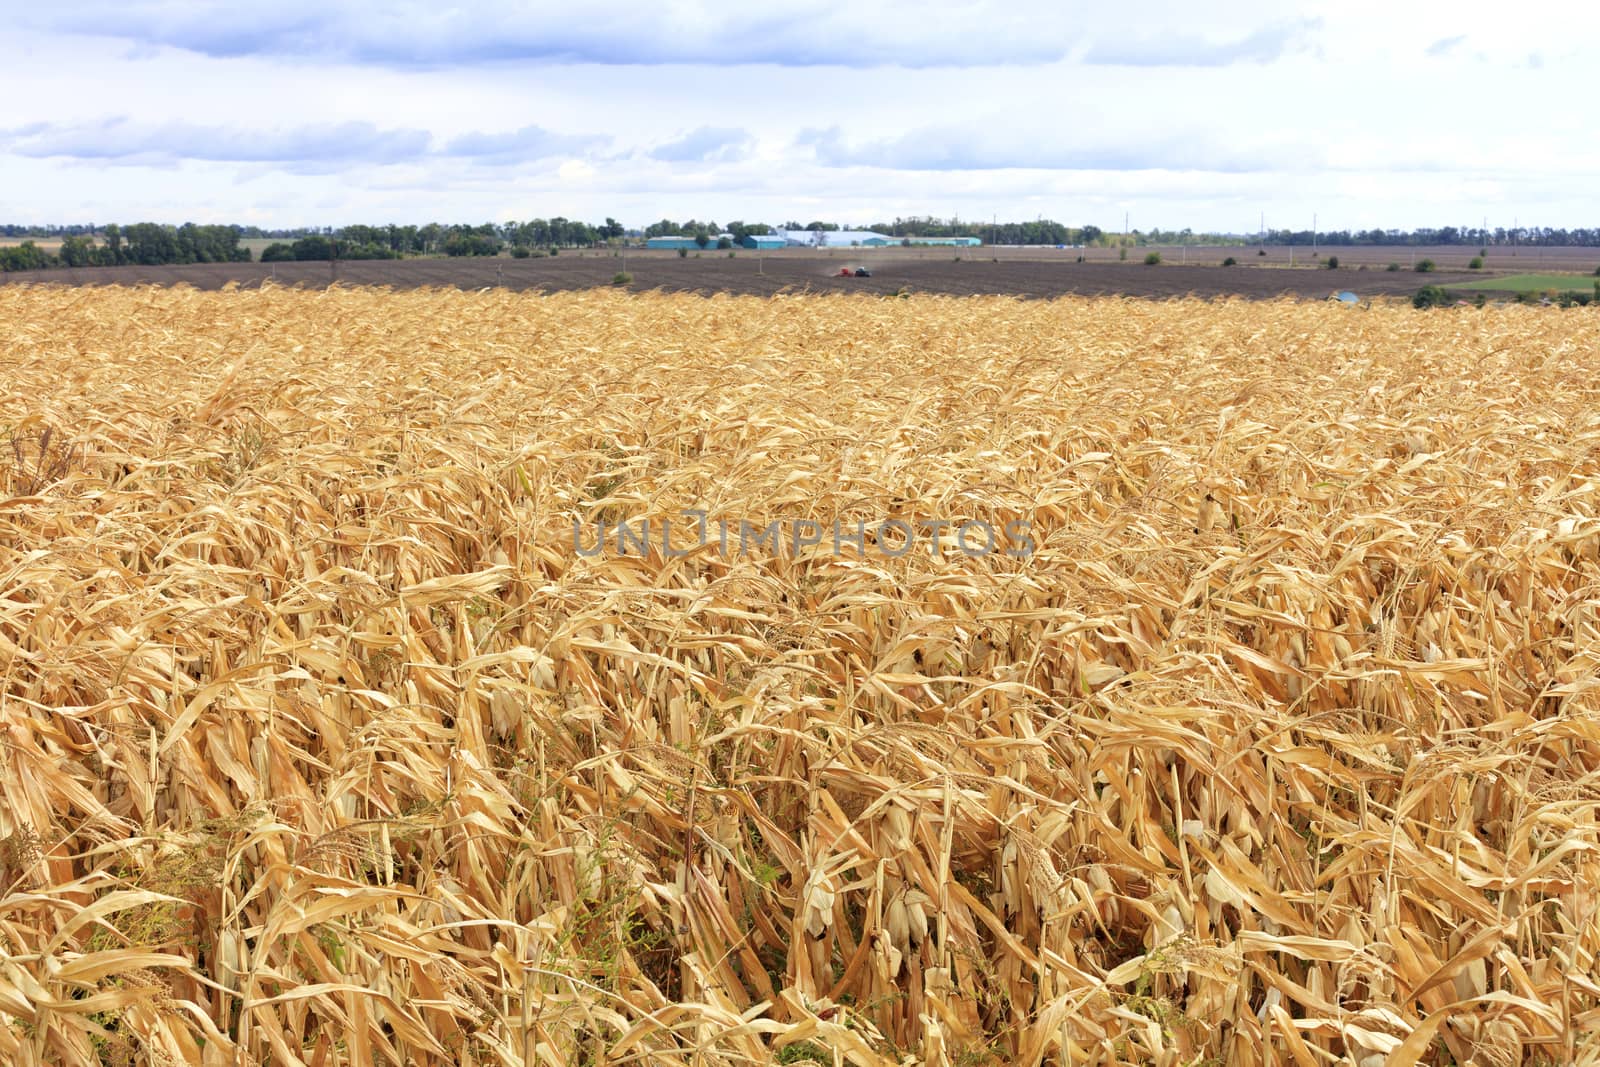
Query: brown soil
1012	272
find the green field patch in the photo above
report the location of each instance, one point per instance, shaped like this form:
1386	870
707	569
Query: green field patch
1531	283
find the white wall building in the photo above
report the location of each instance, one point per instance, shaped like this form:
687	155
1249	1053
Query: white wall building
836	238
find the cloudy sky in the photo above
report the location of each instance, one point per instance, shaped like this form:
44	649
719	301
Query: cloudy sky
324	112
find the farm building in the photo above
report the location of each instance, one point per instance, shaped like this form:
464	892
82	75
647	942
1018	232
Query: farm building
762	241
867	239
836	238
672	242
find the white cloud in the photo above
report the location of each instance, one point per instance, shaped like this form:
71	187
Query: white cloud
325	112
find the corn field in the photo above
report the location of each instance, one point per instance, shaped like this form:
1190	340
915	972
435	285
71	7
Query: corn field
333	737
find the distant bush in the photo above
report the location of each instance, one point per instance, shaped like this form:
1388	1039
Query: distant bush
732	254
1476	263
1392	266
1430	296
1333	262
554	251
1262	252
278	252
521	252
1571	297
1424	266
1483	251
622	277
1122	253
1597	272
1230	262
683	253
1152	258
724	243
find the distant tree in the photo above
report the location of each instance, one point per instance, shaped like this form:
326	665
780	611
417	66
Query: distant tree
1476	263
1152	258
313	247
150	244
723	243
113	247
470	241
76	252
741	230
1230	262
25	256
277	252
1425	266
1333	262
1091	235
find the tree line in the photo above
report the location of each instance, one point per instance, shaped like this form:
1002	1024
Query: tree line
141	243
1579	237
152	244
